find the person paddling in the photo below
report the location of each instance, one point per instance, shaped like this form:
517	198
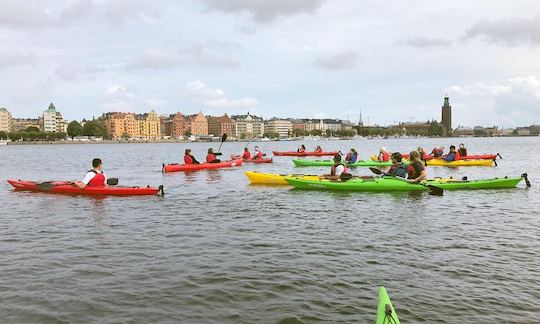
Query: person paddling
94	177
257	154
301	149
453	155
437	152
416	171
247	154
337	169
422	153
189	158
397	169
211	156
351	157
318	149
384	156
462	150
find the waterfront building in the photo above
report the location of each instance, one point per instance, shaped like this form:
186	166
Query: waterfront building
218	126
463	131
249	126
52	120
21	124
198	124
6	122
149	125
446	121
283	127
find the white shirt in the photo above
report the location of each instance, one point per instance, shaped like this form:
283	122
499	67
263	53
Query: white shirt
340	169
90	175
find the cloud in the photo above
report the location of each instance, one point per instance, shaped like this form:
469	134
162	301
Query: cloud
72	72
127	11
513	102
75	11
216	98
340	61
16	14
423	42
264	11
207	54
118	98
508	32
12	58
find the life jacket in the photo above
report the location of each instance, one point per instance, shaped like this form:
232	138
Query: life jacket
246	155
258	155
300	150
98	180
333	169
384	156
318	149
210	157
458	156
414	170
398	171
188	159
437	153
462	152
348	157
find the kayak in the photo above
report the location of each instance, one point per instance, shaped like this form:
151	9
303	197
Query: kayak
261	160
467	157
458	163
387	183
65	187
361	163
274	179
386	314
452	164
203	166
293	153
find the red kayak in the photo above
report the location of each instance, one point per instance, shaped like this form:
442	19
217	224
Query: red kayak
202	166
468	157
261	160
292	153
65	187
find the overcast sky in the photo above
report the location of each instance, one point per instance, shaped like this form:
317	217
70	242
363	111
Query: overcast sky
393	60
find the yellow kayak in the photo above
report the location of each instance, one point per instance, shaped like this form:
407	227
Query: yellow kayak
458	163
273	178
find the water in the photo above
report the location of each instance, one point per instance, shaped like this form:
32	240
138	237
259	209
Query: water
217	250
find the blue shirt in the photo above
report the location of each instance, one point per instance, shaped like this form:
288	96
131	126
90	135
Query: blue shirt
353	158
450	157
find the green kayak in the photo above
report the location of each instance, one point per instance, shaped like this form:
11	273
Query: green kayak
361	163
387	183
385	310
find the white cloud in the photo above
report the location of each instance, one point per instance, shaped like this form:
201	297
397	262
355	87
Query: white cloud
508	31
14	58
264	11
118	98
340	61
216	98
127	11
72	72
424	42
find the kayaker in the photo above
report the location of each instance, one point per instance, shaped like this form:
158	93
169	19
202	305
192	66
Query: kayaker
189	158
318	149
257	154
301	149
94	177
337	169
247	154
453	155
416	171
384	156
351	157
211	156
437	152
397	169
422	153
462	150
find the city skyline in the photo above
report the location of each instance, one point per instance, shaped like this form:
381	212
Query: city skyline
295	59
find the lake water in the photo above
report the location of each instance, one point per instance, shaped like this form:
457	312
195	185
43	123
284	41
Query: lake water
217	250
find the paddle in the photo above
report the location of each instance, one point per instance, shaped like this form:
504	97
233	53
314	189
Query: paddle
48	185
223	138
436	191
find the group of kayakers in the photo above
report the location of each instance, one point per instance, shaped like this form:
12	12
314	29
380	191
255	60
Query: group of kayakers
437	152
302	149
211	157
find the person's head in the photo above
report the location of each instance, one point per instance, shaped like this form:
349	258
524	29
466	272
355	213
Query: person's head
188	151
383	149
245	149
337	158
353	151
420	149
452	148
414	156
303	146
96	164
210	150
461	145
441	148
256	148
396	157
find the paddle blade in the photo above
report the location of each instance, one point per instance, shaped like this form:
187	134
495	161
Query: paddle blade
375	170
345	176
224	137
435	191
112	181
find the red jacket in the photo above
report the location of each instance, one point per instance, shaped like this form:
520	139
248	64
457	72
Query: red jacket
210	157
246	155
98	180
188	159
385	157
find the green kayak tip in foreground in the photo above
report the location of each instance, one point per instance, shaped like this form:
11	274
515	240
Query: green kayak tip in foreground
389	183
386	313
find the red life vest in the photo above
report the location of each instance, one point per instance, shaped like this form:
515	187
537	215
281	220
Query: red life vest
188	159
259	155
457	157
333	169
98	180
246	155
385	157
210	157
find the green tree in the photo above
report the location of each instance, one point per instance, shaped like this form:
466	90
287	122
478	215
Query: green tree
93	128
316	132
32	129
125	136
187	133
3	135
75	129
271	134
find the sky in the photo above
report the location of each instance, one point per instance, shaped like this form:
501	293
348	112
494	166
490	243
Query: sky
393	61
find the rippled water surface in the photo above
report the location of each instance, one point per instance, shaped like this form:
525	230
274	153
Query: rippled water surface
217	250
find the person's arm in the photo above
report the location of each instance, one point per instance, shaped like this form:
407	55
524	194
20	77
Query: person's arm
421	177
87	177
